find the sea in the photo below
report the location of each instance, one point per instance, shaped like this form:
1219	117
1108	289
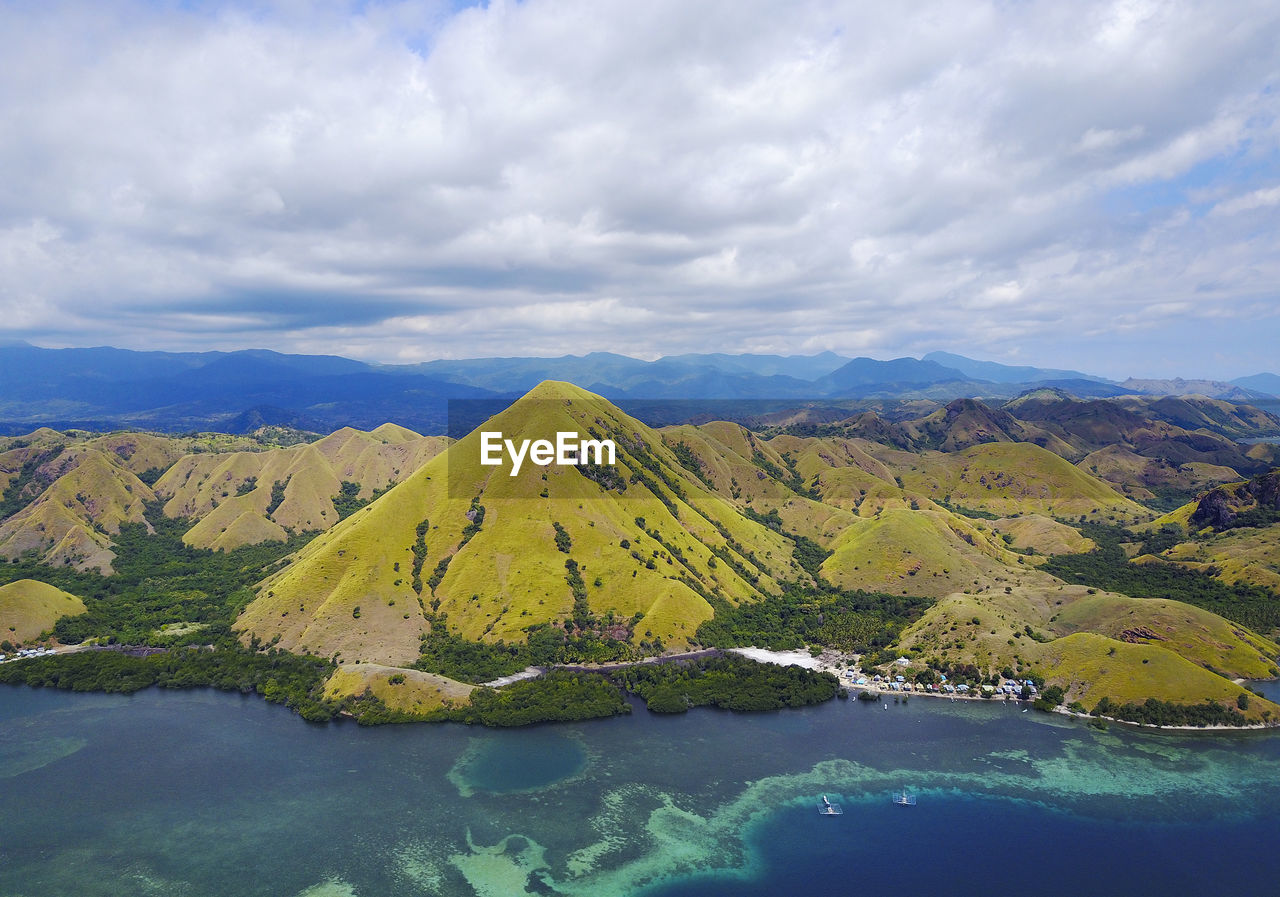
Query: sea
198	793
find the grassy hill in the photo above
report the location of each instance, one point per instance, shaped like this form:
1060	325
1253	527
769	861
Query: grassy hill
1041	535
29	608
1193	633
1011	478
1247	555
243	498
1091	667
965	423
66	495
1149	480
489	554
1231	532
1098	645
931	553
71	521
406	691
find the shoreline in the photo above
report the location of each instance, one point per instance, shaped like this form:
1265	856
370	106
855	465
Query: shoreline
764	655
1252	727
838	667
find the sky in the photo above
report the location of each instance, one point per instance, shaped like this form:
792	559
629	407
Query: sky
1091	185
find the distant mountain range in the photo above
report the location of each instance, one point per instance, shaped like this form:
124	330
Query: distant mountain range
106	388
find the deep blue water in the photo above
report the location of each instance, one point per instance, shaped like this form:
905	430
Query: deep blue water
958	846
201	793
1268	688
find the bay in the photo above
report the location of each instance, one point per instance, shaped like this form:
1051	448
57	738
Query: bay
202	793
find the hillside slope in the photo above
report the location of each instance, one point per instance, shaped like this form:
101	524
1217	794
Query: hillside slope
72	520
242	498
28	608
1098	645
639	549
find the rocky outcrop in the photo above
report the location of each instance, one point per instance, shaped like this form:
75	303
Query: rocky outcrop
1249	503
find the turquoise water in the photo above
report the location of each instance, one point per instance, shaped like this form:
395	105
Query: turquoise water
201	793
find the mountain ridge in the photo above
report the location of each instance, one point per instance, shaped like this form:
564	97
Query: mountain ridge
103	387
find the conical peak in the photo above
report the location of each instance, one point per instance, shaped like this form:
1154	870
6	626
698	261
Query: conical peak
395	433
556	424
560	389
550	406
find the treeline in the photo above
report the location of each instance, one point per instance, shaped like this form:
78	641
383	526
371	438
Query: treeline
559	696
282	678
850	621
1154	712
733	683
1107	567
449	654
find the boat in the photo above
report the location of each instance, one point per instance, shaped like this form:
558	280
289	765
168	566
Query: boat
903	799
829	809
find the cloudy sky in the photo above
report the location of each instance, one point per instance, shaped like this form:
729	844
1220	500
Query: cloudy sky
1087	185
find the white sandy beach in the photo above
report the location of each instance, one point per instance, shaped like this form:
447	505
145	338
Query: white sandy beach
782	658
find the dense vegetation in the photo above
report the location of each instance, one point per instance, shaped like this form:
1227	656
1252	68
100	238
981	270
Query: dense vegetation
731	682
791	477
850	621
1254	517
1153	712
279	677
348	499
560	696
1107	567
449	654
965	512
808	553
690	461
158	581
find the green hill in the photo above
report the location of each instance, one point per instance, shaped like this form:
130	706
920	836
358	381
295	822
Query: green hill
1236	529
72	520
1097	645
489	553
1246	555
1012	478
931	553
28	608
242	498
66	495
1091	667
406	691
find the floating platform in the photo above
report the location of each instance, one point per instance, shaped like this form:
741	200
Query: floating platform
903	799
827	808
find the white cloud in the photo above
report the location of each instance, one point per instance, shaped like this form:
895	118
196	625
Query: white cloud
569	175
1266	198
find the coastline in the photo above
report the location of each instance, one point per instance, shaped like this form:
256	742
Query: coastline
1252	727
763	655
836	665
